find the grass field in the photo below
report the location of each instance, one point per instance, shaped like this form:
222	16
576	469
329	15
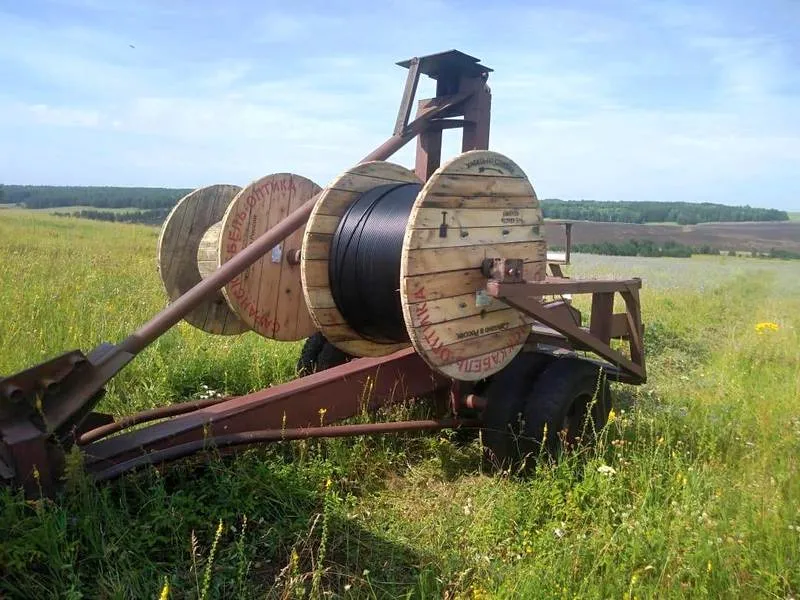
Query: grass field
693	490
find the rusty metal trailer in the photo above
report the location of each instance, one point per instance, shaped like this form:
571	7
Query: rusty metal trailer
555	375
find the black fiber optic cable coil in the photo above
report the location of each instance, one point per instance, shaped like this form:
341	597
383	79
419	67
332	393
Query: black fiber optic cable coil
364	269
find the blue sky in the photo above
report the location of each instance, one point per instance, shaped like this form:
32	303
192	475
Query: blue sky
594	99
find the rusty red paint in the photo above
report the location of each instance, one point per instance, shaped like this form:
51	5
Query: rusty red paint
317	399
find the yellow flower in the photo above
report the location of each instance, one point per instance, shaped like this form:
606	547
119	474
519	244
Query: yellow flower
766	326
708	567
612	416
165	590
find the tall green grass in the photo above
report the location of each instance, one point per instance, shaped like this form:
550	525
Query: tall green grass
692	491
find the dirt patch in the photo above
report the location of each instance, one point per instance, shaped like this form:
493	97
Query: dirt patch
760	236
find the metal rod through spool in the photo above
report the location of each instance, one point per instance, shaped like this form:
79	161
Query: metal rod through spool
364	269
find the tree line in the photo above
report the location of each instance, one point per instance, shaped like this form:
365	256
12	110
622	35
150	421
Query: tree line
684	213
46	196
154	216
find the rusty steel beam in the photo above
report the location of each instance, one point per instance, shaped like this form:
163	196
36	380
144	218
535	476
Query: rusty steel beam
145	416
315	400
408	97
562	285
525	297
175	452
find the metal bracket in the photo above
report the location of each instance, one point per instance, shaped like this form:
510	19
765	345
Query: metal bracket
503	270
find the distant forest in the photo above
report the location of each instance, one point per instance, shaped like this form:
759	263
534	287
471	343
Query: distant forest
154	216
44	196
145	199
684	213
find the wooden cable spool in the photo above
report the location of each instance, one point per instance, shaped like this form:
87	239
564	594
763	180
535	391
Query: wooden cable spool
178	245
331	205
211	225
478	205
268	295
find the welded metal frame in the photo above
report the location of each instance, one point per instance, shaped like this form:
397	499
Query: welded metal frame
561	324
46	409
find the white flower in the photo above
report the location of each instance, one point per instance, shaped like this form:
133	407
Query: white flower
606	470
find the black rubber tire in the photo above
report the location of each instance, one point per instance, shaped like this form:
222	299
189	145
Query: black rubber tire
319	354
572	397
331	356
307	363
505	394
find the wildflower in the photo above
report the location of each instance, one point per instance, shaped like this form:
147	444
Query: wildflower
766	326
612	416
165	590
708	567
606	470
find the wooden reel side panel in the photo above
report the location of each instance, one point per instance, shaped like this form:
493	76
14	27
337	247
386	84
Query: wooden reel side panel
479	205
268	295
178	245
332	204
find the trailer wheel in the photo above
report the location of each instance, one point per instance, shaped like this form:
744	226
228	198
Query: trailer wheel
572	398
319	354
506	393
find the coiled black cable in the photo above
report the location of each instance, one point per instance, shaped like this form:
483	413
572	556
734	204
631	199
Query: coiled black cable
364	268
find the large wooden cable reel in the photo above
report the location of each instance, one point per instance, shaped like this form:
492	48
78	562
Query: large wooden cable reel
478	205
267	296
178	244
211	225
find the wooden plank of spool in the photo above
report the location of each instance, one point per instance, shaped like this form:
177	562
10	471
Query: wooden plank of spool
479	205
178	248
267	296
333	202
